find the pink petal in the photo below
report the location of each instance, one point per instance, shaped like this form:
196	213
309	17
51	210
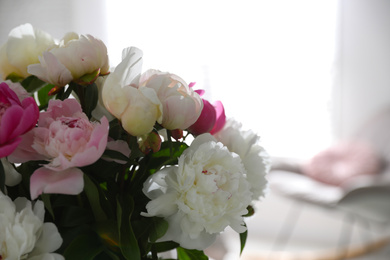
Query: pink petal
44	180
96	146
58	108
8	148
9	122
100	131
25	152
200	92
8	95
206	120
29	117
192	84
221	117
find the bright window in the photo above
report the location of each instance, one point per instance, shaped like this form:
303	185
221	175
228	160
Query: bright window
268	61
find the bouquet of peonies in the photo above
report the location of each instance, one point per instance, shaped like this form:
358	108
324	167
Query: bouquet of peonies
114	164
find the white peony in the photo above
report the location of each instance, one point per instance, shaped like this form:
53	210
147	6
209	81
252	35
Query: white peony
22	48
201	196
75	56
23	235
138	108
255	159
181	104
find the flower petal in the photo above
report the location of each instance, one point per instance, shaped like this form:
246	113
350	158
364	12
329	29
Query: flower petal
44	180
12	177
49	241
51	70
8	148
221	117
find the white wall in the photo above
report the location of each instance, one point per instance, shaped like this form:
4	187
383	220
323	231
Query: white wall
56	17
363	77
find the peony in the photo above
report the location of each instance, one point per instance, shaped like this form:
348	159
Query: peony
138	108
23	47
74	57
100	110
17	117
201	196
23	234
206	120
255	159
66	139
211	119
181	105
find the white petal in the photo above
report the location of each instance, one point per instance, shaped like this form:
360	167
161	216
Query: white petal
49	241
12	177
47	256
51	70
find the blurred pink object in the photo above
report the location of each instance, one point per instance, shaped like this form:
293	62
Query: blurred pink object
16	118
343	161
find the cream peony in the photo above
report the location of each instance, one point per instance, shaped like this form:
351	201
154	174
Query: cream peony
100	110
181	105
255	159
201	196
23	47
75	56
23	235
138	108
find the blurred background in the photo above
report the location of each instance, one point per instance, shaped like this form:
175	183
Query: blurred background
303	74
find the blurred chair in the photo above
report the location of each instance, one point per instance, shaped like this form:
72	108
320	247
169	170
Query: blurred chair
364	198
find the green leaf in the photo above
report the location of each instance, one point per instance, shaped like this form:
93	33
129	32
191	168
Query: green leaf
164	246
43	96
243	237
127	240
91	190
251	211
165	151
85	246
62	95
88	79
110	254
158	229
168	155
115	155
46	201
187	254
32	83
73	216
2	178
91	99
108	233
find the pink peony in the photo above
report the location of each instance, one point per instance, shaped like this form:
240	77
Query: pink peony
206	120
67	139
211	119
16	118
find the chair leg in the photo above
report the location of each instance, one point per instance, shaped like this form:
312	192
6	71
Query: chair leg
345	235
288	225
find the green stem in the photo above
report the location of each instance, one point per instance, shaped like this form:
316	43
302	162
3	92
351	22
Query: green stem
169	135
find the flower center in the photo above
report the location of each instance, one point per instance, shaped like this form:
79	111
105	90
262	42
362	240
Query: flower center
71	123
